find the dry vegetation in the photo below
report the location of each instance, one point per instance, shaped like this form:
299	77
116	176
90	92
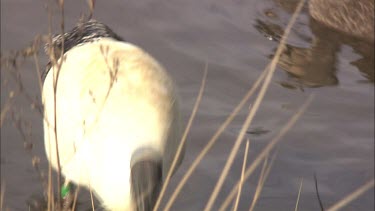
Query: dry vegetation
11	63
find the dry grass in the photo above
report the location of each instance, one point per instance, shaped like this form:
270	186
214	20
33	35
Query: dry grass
212	141
91	199
183	139
263	81
352	196
5	110
2	195
299	194
262	179
266	150
242	176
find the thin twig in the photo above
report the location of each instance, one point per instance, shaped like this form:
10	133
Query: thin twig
242	176
37	67
299	194
50	198
262	180
56	74
317	193
91	198
354	195
113	73
2	195
262	172
212	141
75	198
267	149
4	111
183	139
254	109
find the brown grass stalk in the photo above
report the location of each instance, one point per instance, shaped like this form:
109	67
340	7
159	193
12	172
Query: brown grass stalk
262	179
91	198
75	198
262	172
56	67
351	197
212	141
267	149
183	139
242	177
2	193
299	194
4	111
253	110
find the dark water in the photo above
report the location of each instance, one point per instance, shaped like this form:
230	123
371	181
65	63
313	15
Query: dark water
334	138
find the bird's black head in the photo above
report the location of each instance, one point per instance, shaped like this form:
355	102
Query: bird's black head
83	32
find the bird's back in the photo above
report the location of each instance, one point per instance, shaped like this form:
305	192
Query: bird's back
112	98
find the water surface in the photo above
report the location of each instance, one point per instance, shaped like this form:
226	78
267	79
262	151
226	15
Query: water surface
334	138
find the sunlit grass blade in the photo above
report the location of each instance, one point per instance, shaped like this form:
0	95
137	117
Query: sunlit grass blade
212	141
299	194
351	197
262	179
253	110
92	199
75	198
267	149
242	176
183	139
2	195
4	111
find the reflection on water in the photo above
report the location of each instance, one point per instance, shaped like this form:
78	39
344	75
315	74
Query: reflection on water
316	65
352	17
334	138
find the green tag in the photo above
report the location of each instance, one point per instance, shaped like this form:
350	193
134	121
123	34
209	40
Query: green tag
65	189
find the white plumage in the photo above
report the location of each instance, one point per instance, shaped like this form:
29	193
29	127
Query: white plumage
112	100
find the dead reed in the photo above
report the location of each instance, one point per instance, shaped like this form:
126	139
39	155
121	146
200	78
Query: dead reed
12	62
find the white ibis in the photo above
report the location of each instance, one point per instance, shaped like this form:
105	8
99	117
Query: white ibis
117	117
